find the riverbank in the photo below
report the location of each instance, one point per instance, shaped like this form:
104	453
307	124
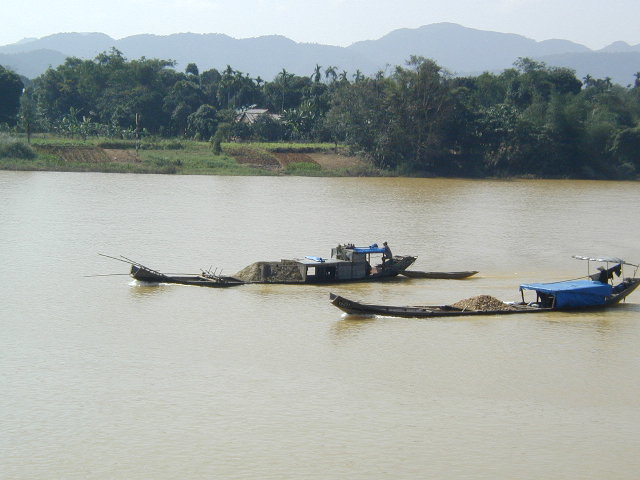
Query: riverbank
187	158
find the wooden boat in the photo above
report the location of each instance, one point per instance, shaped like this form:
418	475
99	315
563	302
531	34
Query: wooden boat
352	307
594	292
348	263
441	275
205	279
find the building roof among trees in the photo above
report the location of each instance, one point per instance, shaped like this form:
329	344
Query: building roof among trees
250	115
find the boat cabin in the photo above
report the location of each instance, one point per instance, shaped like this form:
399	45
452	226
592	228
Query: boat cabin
333	269
569	294
596	290
347	263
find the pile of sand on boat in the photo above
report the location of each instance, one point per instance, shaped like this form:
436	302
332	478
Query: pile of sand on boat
285	271
482	303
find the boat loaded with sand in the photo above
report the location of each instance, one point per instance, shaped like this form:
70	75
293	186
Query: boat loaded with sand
596	291
347	263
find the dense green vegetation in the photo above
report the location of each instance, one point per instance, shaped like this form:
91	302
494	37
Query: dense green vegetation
10	91
417	120
168	156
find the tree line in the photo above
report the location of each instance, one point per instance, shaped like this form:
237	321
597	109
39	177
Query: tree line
417	119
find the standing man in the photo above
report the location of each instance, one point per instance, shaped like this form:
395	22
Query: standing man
386	255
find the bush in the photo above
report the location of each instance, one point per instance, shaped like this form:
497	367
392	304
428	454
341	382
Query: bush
164	165
172	145
10	148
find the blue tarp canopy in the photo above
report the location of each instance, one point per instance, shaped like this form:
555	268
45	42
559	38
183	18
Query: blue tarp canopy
573	293
370	249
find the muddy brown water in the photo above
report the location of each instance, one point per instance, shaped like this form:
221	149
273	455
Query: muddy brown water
104	378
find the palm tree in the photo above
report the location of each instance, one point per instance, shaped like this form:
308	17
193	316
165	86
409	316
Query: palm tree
588	80
283	78
332	72
226	83
316	76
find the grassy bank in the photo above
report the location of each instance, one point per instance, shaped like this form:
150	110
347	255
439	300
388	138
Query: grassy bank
50	153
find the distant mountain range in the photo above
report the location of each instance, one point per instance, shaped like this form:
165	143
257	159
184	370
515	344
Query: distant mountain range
461	50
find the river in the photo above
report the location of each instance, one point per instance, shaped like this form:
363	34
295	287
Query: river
104	378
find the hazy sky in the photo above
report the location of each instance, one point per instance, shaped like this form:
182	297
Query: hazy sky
594	23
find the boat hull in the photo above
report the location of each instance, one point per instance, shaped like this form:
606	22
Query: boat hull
629	285
439	275
352	307
145	274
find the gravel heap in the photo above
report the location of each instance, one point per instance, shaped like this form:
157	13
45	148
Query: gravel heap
484	303
271	272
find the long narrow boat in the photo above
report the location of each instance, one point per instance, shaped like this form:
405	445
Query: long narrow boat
441	275
594	292
352	307
347	263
